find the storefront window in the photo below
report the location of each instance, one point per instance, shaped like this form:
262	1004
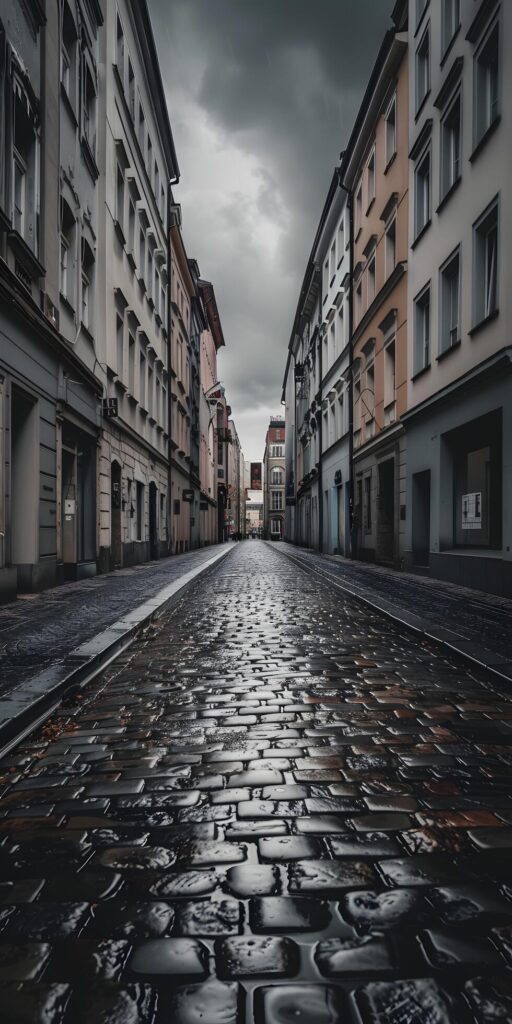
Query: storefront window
477	484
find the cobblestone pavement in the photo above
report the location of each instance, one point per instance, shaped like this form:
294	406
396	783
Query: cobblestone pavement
275	807
40	630
477	617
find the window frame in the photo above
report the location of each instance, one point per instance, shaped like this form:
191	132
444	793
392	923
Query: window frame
446	342
392	105
480	133
446	41
426	344
420	100
446	189
426	154
479	317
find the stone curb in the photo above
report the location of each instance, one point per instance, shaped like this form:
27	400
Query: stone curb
28	705
470	651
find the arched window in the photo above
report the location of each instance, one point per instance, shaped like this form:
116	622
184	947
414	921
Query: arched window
277	476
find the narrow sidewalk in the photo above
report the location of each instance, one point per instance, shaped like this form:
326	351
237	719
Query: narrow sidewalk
475	624
41	630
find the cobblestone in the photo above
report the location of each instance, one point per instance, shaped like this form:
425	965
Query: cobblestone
275	806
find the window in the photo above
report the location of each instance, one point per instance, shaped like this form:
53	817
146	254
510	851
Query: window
369	399
275	527
358	212
142	380
149	281
449	300
390	247
371	279
87	284
25	170
142	127
276	500
326	279
120	197
131	90
140	511
157	293
131	227
131	364
486	83
391	131
149	163
120	49
341	239
389	383
89	107
68	56
368	503
450	22
451	146
67	253
150	389
370	177
157	181
277	476
423	68
477	454
142	252
332	262
340	330
277	451
119	345
359	300
485	264
422	330
422	193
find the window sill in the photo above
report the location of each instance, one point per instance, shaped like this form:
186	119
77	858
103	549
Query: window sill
447	351
453	188
132	261
358	232
483	323
419	236
390	162
420	373
26	256
370	204
449	47
485	137
421	106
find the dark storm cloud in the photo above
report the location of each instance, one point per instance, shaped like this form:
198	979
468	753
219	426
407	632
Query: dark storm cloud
262	96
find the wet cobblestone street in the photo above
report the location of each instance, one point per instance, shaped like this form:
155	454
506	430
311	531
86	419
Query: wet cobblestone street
274	807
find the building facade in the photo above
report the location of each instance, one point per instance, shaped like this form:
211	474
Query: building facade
274	479
212	416
459	419
50	388
138	161
375	171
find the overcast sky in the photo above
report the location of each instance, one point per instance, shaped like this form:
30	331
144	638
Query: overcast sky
262	95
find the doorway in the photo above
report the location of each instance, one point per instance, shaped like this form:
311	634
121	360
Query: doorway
421	518
116	549
24	504
154	551
386	512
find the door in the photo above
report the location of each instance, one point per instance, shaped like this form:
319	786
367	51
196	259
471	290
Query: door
153	522
421	518
116	547
386	512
